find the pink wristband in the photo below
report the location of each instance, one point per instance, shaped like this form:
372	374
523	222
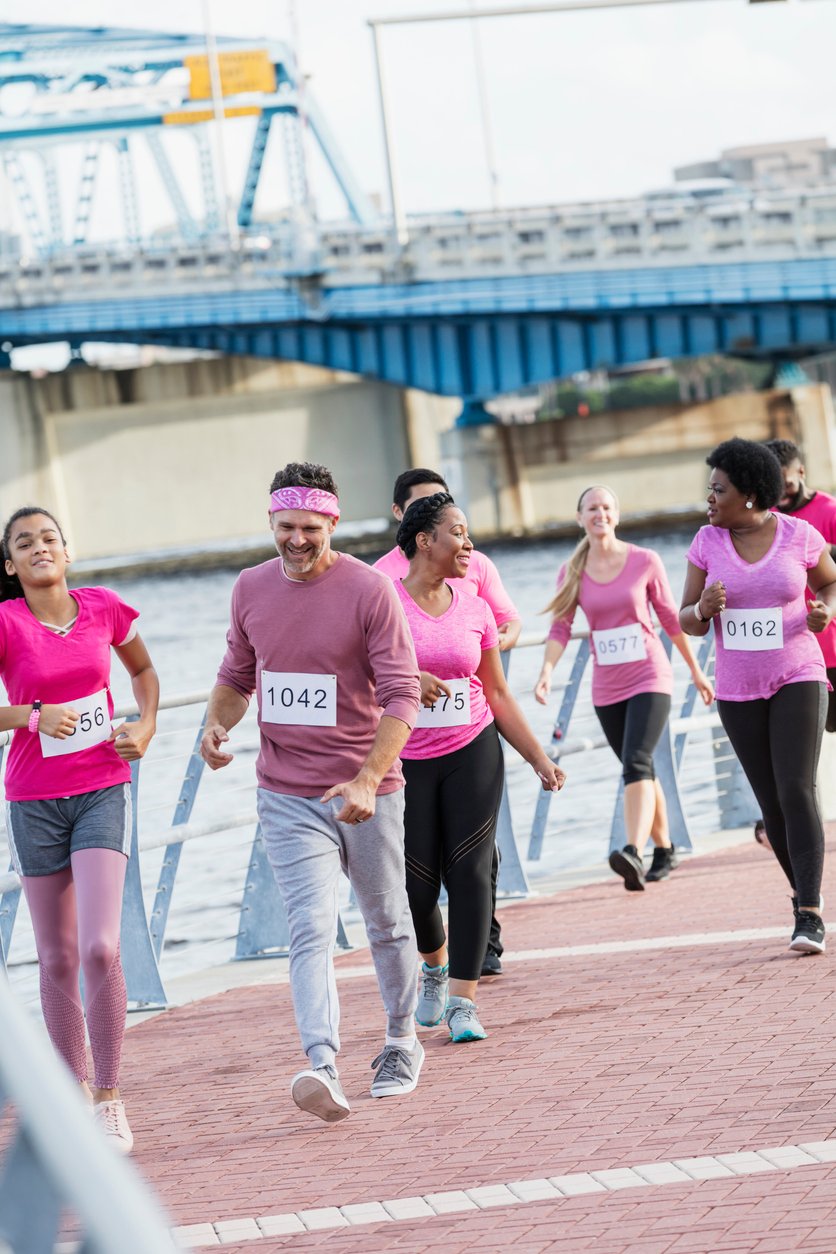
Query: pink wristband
35	716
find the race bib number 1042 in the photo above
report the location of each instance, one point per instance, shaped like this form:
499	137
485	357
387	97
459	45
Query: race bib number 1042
299	700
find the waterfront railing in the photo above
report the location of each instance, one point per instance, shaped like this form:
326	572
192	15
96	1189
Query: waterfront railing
700	776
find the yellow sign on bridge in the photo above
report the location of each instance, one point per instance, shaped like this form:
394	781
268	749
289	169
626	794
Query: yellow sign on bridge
248	70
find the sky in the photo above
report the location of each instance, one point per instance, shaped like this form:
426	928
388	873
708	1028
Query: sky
583	105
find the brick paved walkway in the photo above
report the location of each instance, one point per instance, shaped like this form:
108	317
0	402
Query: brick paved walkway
596	1061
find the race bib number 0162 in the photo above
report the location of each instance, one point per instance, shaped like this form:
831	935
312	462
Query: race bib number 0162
452	711
617	645
298	700
752	630
92	728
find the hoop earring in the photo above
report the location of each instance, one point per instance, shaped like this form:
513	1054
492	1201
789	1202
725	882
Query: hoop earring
748	504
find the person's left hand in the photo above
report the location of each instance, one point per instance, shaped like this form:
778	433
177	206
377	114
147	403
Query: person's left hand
550	775
704	687
509	634
818	616
130	740
358	800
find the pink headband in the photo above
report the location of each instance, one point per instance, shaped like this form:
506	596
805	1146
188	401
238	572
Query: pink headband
314	499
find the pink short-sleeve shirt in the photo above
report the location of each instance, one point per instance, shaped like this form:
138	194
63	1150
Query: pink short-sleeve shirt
38	665
778	580
450	647
820	512
482	579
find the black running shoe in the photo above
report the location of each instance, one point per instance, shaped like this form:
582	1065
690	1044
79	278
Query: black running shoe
664	861
808	935
630	867
491	964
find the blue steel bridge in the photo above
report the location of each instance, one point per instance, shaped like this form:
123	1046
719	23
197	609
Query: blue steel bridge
472	305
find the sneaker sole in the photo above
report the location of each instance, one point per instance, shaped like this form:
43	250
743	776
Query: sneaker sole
431	1023
398	1089
467	1036
315	1098
633	880
650	878
805	945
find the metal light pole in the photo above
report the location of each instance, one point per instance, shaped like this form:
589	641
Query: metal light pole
485	111
216	85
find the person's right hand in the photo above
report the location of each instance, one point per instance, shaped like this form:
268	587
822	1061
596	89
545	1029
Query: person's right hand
210	747
543	687
713	599
58	721
433	689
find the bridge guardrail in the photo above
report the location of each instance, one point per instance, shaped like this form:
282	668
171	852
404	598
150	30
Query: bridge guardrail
262	929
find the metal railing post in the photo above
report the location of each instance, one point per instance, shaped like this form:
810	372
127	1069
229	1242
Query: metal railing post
139	961
512	880
567	705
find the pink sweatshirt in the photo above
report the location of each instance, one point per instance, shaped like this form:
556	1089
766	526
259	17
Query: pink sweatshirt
777	581
482	580
38	665
820	513
641	664
450	647
345	634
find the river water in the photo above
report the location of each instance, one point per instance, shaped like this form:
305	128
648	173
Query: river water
183	621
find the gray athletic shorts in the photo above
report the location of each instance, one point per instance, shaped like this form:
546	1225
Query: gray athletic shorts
43	834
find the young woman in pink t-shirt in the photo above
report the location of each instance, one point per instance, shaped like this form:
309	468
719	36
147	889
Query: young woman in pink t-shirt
616	585
68	812
453	763
748	572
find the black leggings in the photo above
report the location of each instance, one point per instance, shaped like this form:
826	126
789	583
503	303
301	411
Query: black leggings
450	823
633	728
777	741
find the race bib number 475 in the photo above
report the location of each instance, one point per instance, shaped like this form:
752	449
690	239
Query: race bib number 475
92	728
452	711
299	700
752	630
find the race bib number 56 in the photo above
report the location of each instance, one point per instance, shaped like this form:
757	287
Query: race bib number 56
752	630
299	700
92	728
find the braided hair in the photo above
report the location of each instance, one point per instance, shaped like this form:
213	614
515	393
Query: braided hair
425	514
10	586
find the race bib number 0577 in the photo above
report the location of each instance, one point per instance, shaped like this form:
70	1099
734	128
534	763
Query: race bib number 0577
298	700
92	728
617	645
452	711
752	630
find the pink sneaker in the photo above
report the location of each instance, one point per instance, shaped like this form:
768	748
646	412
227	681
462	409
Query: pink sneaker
111	1118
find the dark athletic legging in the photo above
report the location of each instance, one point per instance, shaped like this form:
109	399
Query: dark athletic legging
777	741
633	728
450	824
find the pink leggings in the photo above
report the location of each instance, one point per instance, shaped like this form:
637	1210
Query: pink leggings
76	916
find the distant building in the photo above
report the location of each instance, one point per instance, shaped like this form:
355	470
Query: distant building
796	163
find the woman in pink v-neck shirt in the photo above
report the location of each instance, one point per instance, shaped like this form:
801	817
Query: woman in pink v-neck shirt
68	792
617	585
748	572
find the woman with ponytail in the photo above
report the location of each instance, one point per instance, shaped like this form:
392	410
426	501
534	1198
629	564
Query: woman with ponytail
616	585
453	762
68	812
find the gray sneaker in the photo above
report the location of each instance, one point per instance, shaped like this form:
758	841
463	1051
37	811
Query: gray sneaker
432	996
397	1070
463	1021
319	1092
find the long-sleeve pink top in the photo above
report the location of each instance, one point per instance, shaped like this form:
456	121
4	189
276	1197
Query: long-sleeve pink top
640	663
346	623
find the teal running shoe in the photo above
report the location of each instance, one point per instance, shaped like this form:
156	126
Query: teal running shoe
463	1021
432	996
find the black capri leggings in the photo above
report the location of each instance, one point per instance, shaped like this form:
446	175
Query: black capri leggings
778	741
633	728
450	824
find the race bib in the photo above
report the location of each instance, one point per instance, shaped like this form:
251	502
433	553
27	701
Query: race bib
452	711
618	645
298	700
752	630
92	728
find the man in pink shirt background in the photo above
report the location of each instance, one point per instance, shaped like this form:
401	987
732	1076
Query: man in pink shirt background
482	579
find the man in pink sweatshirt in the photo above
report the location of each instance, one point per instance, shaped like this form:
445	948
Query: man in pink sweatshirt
323	642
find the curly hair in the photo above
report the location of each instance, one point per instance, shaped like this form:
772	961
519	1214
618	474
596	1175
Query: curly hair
304	475
752	468
410	479
784	450
424	514
10	586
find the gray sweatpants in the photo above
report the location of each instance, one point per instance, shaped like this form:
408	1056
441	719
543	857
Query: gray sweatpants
307	849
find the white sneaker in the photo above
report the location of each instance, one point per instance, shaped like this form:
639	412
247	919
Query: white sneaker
111	1118
319	1092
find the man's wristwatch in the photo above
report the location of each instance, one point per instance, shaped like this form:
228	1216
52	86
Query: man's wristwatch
35	716
700	617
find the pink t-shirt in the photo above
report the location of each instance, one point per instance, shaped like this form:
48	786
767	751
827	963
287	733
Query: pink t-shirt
482	580
345	626
820	513
450	647
625	602
38	665
777	581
